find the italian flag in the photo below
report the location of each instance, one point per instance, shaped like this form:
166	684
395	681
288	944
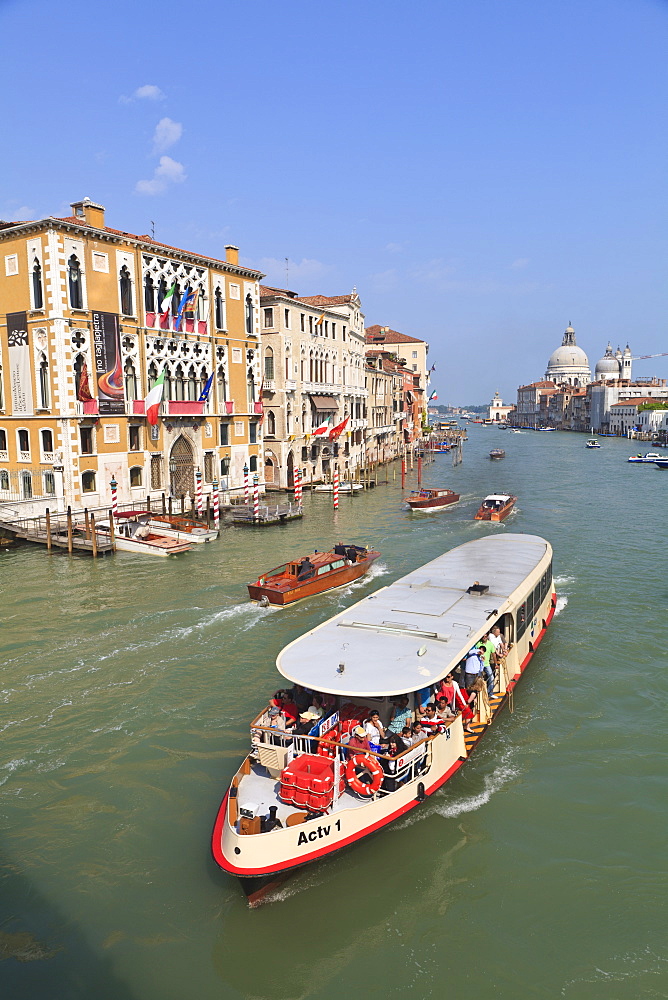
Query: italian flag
322	429
167	301
153	400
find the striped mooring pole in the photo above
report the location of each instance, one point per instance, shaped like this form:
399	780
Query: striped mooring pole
256	499
336	489
298	488
216	504
198	488
246	487
114	496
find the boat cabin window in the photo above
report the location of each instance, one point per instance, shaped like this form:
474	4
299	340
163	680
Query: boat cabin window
536	598
338	564
324	569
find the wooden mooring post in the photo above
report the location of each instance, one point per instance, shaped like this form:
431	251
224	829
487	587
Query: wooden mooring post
69	530
164	505
86	522
93	535
112	531
208	510
48	529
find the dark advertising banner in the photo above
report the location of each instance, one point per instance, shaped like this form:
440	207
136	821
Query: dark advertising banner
19	363
108	364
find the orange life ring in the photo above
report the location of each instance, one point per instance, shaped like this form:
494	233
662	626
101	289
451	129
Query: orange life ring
368	766
328	749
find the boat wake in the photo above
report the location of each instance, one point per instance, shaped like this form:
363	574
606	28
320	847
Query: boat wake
376	571
561	583
494	782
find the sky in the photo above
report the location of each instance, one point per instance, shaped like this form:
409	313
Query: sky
483	172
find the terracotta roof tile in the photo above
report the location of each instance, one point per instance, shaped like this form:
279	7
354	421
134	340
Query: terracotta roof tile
382	335
326	300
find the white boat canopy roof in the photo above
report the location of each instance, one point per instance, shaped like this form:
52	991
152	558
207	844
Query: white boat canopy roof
498	496
410	634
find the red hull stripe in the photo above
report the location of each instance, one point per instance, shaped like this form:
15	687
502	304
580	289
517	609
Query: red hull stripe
222	861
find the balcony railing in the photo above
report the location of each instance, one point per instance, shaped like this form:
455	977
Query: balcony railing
88	408
269	384
290	385
185	408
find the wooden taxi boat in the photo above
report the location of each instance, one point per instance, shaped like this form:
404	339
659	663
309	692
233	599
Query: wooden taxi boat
495	507
426	501
312	574
497	453
300	796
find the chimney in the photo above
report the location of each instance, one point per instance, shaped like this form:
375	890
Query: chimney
232	254
89	213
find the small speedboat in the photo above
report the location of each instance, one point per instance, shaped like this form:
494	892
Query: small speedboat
312	574
497	453
426	501
496	507
647	459
661	463
187	529
592	443
343	487
133	533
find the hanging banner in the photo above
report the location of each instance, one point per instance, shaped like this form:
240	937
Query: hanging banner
108	363
19	363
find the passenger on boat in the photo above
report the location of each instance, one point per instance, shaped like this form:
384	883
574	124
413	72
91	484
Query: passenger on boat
418	732
351	553
395	747
276	718
374	730
300	696
305	724
498	638
407	736
290	711
488	650
316	706
457	699
472	667
483	712
306	569
443	710
359	740
401	715
339	549
430	720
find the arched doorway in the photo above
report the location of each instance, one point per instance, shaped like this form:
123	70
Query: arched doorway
181	468
291	471
271	469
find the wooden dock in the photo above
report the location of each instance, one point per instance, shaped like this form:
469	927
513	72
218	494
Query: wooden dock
61	531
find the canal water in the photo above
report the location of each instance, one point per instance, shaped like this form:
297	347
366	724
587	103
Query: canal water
127	687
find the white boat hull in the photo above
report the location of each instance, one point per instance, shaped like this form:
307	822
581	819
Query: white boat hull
198	536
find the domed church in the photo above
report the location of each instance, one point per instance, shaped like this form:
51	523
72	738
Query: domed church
614	366
569	363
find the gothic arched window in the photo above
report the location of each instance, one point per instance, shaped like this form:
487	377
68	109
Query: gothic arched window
271	423
37	295
219	312
249	314
222	392
125	283
74	282
193	384
43	382
149	294
269	363
180	382
130	377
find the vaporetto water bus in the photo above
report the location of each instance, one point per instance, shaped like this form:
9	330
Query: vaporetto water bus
299	797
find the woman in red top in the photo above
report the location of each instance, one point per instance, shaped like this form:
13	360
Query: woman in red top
458	700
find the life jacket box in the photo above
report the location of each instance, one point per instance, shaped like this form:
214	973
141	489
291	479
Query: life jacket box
306	775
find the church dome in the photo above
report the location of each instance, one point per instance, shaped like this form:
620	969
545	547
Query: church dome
569	363
608	365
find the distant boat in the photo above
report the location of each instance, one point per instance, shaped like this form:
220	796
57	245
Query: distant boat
496	507
187	529
647	459
312	574
497	453
343	488
516	430
592	443
426	501
545	428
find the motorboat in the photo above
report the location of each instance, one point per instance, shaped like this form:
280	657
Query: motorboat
298	797
496	507
426	501
133	533
592	443
345	487
187	529
497	453
647	459
312	574
661	463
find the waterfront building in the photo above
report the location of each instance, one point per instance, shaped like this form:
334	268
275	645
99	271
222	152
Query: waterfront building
498	413
531	405
313	374
396	405
569	363
630	418
612	367
91	316
411	351
606	393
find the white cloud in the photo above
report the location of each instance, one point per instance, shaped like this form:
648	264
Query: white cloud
149	92
298	271
167	132
394	247
520	263
12	211
167	172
